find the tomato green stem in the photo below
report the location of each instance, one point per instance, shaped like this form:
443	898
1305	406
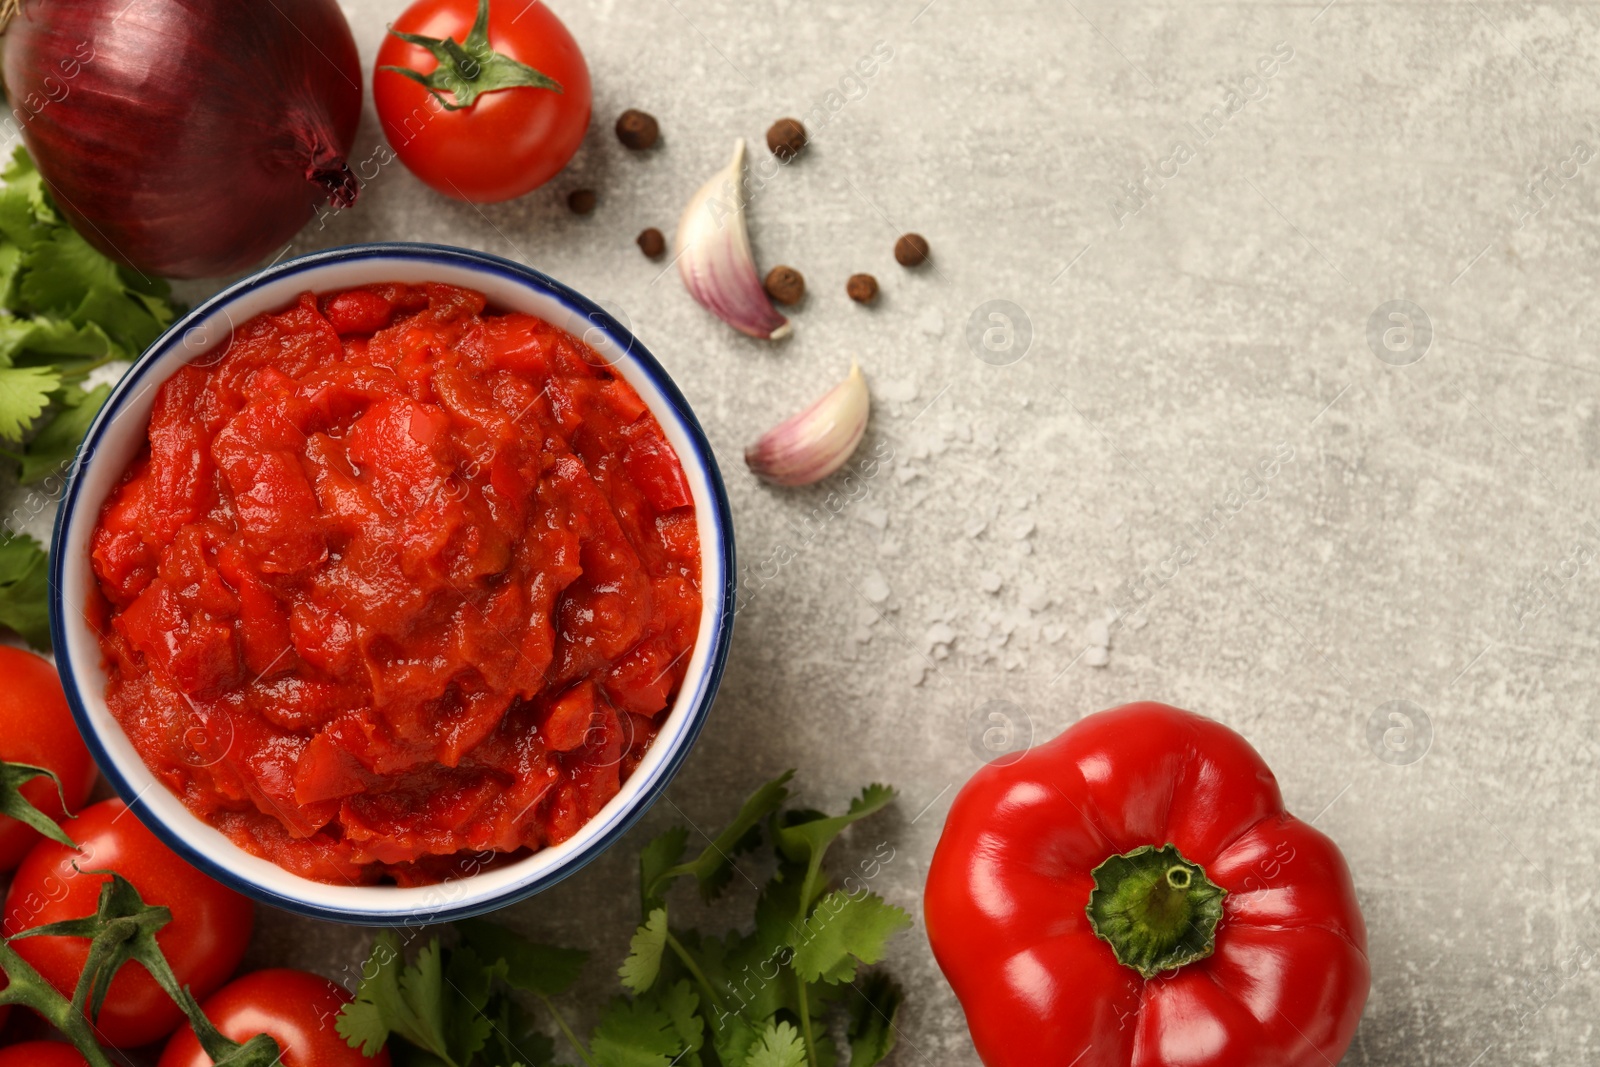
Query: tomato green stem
13	776
469	68
1156	909
28	989
123	928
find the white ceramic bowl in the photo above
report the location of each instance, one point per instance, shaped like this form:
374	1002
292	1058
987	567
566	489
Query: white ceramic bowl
118	434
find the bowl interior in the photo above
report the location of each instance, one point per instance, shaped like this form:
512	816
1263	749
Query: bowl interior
119	433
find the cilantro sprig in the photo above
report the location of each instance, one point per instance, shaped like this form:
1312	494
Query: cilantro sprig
25	589
65	310
767	996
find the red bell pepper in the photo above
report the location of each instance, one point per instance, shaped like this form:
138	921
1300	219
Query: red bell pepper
1133	893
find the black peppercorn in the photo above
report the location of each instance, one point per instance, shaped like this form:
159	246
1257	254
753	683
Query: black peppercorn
651	243
637	129
785	285
863	288
786	138
911	250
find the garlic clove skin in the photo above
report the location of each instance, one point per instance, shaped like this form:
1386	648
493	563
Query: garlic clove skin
714	257
808	447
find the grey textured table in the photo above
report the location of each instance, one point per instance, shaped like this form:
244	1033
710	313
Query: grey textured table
1176	316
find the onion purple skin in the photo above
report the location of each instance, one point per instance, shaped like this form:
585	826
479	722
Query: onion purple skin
187	138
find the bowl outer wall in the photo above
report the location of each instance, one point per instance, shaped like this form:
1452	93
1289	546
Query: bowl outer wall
120	430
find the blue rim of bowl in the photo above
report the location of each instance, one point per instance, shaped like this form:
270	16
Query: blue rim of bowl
698	711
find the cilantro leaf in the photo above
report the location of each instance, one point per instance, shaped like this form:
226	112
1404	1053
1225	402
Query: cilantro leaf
643	965
780	1046
43	337
470	985
60	270
513	1039
778	908
682	1004
54	447
65	308
146	289
394	998
24	393
449	1008
10	268
872	1020
801	842
25	589
126	317
841	930
713	868
745	999
422	992
542	969
25	209
749	970
634	1033
655	859
733	1037
805	837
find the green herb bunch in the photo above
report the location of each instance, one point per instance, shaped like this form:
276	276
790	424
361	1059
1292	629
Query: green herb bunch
777	995
65	309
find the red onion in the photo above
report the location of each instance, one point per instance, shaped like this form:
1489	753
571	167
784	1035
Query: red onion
187	138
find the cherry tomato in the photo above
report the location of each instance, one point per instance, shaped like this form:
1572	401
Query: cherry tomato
508	141
41	1054
204	942
294	1008
36	727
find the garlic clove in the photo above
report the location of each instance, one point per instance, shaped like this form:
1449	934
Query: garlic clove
808	447
714	256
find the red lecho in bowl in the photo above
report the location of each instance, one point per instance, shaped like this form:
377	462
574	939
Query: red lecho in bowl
393	583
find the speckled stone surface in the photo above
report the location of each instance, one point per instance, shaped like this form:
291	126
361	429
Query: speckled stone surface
1192	263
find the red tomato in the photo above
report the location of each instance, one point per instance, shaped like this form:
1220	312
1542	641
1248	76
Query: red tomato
508	141
204	941
36	727
41	1054
294	1008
